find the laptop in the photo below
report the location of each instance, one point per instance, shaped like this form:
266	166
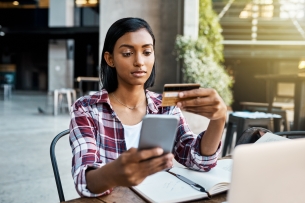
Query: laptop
268	172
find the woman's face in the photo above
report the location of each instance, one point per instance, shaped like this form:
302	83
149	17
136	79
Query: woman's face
133	58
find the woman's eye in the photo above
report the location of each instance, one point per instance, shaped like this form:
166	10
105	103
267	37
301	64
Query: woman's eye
127	54
147	53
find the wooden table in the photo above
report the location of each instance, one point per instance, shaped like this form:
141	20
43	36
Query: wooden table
299	94
126	195
80	81
275	105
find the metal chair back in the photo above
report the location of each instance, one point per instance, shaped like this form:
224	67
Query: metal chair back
54	164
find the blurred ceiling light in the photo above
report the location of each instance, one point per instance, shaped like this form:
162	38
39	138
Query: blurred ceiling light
302	64
80	2
255	8
292	9
2	34
244	14
92	1
254	22
254	15
15	3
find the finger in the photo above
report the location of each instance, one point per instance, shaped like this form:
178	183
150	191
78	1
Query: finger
148	153
207	109
157	164
199	101
165	166
205	114
201	92
132	150
199	110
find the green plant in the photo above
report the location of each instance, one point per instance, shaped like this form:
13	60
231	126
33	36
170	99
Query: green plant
202	57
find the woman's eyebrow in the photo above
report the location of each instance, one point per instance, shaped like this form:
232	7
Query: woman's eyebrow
126	45
147	45
130	46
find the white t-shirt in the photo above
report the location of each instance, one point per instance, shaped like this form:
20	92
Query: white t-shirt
132	135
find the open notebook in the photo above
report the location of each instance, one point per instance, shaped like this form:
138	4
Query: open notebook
164	187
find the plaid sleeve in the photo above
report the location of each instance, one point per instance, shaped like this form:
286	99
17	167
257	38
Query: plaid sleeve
84	149
187	147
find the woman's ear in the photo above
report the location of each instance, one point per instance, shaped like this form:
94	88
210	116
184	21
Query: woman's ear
109	59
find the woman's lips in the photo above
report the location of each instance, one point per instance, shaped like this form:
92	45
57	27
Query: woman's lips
138	73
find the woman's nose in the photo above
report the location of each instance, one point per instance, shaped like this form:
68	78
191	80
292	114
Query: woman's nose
139	60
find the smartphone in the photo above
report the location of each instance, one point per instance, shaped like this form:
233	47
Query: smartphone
158	131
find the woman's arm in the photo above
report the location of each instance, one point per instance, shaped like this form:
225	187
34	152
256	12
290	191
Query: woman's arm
212	136
85	152
209	104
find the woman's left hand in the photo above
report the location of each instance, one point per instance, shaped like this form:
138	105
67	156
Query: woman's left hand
205	102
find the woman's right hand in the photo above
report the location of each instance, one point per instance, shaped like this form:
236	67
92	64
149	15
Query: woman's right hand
130	169
133	166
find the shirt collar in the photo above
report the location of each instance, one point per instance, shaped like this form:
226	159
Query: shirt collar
98	97
153	101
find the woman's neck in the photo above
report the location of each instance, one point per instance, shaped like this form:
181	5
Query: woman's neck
130	96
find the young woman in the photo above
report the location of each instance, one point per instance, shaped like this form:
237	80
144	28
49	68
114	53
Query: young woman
105	127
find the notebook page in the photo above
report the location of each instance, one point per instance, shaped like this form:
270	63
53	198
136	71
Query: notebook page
177	164
166	188
208	179
270	137
225	164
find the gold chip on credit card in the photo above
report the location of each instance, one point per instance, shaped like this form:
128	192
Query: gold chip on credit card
171	92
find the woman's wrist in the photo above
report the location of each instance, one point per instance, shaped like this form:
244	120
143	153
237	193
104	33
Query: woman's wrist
101	179
212	136
219	122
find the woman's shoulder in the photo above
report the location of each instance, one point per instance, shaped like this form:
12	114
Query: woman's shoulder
88	100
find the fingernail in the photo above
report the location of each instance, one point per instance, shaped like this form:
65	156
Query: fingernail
181	94
159	150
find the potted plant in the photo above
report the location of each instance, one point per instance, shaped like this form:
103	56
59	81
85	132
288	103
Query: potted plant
202	57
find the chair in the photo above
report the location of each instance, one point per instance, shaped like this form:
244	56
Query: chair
7	91
292	134
282	103
54	164
285	110
251	135
58	98
240	121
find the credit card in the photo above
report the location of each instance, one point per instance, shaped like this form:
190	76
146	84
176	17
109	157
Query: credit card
171	92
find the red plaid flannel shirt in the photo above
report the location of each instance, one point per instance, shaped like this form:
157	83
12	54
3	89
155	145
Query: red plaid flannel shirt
97	137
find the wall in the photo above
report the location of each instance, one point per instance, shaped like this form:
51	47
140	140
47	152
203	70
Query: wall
60	68
61	52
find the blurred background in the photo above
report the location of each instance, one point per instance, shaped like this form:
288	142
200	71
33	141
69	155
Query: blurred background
251	51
